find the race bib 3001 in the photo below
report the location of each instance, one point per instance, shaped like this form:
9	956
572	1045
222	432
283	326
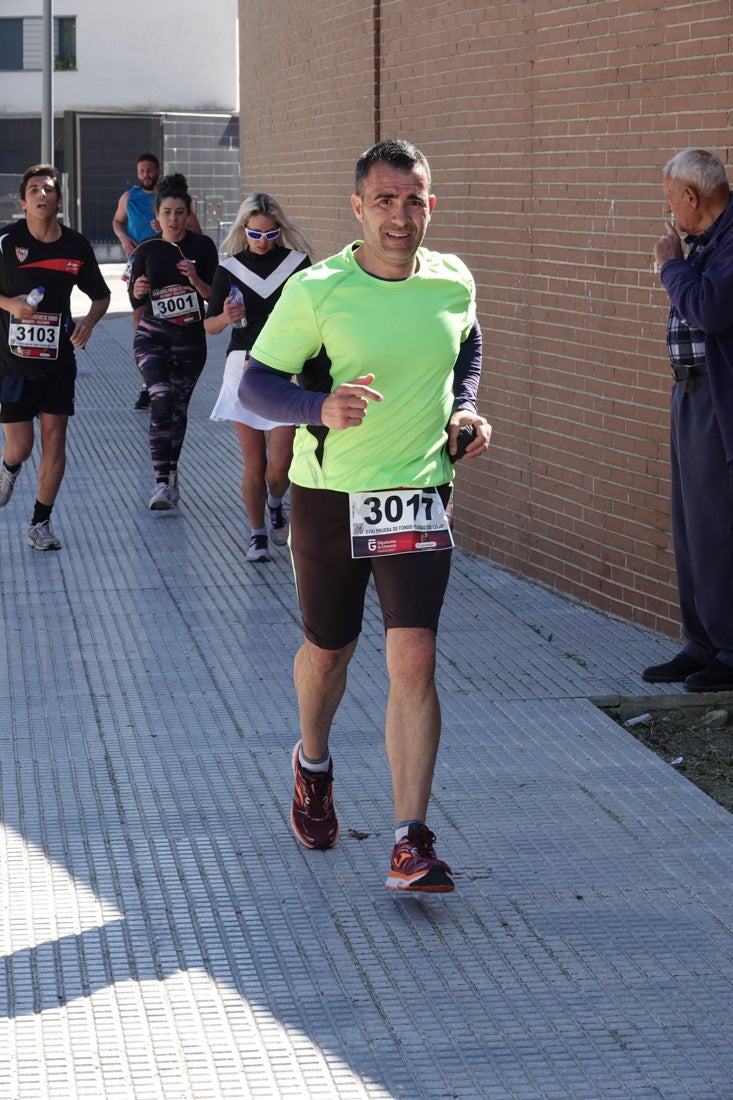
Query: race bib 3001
179	304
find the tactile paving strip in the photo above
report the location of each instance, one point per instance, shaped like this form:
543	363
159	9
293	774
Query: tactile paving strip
164	936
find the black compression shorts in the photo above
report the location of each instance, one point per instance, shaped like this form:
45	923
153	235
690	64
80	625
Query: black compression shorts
332	585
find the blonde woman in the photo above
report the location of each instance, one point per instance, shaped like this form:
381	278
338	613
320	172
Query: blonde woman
264	249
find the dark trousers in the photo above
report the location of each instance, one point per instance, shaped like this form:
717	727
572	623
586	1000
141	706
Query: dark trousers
702	523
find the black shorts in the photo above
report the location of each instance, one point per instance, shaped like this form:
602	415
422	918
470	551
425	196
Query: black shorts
332	585
51	393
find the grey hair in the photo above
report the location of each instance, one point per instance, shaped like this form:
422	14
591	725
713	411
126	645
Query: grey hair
260	203
701	168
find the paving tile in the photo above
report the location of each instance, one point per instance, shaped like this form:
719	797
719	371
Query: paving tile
163	935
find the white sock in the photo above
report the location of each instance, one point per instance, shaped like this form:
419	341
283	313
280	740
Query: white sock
316	766
402	828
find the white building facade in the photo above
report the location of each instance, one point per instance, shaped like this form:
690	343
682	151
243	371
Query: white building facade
128	78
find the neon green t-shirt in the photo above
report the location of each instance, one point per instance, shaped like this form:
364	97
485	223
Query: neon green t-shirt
335	323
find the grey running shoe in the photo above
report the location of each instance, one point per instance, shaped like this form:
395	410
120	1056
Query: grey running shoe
258	549
161	501
278	525
174	491
7	483
41	537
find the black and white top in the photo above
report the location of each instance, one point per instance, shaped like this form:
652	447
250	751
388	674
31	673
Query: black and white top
260	279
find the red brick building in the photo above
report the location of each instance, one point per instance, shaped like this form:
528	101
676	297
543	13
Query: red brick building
546	125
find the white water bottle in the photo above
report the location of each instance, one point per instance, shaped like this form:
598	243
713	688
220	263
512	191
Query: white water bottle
236	296
36	296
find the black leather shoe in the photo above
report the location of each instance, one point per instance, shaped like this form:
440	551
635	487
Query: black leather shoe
674	671
714	677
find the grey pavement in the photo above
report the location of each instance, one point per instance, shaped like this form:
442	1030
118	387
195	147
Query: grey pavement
164	936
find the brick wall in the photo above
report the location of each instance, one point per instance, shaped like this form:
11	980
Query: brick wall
546	125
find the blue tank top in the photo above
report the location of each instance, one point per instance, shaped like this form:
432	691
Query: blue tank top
140	213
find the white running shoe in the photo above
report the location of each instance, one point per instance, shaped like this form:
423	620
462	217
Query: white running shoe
7	483
258	549
161	501
41	537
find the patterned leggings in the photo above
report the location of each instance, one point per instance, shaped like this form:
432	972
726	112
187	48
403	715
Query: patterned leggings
170	362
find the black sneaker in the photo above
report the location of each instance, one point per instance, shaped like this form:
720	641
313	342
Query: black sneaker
674	671
143	400
278	525
716	676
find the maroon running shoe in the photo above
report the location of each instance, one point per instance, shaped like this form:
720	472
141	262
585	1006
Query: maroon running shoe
313	815
415	865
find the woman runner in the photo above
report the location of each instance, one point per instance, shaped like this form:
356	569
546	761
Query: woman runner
171	277
267	248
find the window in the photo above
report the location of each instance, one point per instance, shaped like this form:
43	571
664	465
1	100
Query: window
64	40
21	43
11	44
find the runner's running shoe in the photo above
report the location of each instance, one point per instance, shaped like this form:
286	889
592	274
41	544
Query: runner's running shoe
161	501
7	483
174	489
143	400
258	549
313	815
415	865
279	525
41	537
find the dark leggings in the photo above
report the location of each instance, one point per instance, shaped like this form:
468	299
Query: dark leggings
170	360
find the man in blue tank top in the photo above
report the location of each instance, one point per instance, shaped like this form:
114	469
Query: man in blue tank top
135	215
134	221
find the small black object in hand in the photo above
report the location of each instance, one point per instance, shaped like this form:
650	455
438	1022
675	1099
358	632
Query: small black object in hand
466	435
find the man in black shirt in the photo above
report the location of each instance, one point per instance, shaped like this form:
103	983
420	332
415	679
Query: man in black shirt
38	342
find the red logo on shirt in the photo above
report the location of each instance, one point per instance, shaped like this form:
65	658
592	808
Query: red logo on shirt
22	254
72	266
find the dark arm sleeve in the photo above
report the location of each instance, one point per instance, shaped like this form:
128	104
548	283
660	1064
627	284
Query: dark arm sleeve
467	371
271	394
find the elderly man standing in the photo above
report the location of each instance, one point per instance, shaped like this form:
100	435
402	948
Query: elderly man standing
699	281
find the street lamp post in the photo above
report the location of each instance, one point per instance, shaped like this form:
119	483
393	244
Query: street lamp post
47	100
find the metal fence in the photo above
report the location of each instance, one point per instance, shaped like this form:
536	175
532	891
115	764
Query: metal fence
10	210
